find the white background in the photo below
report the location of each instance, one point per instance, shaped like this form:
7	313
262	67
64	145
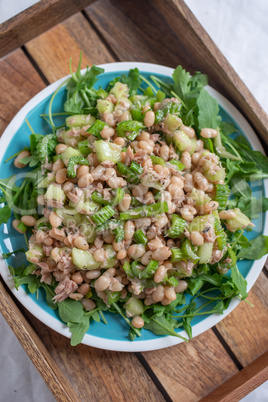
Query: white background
240	29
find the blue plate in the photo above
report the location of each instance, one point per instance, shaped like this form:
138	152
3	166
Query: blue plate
117	329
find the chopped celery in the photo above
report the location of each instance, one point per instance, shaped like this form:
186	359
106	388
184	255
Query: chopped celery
199	197
204	253
119	90
134	307
96	197
79	120
222	194
136	168
84	147
144	211
127	269
157	160
104	105
181	140
139	237
188	252
178	165
84	259
219	232
103	215
150	180
74	160
171	281
177	227
68	154
176	255
107	151
240	221
129	125
150	269
125	171
96	128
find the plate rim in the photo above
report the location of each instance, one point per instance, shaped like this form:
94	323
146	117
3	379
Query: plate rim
110	344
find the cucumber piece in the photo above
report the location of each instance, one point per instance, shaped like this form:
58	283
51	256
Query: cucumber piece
107	151
111	257
68	154
119	90
68	136
199	223
79	120
134	307
127	103
36	251
199	197
172	122
204	252
241	221
104	105
84	259
182	141
88	230
214	175
87	207
46	181
55	193
69	215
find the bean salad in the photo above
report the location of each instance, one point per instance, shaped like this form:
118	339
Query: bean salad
128	206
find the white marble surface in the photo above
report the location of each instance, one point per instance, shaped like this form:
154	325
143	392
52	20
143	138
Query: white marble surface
240	29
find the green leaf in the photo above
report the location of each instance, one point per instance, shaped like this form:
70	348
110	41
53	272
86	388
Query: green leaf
252	206
208	110
255	249
162	326
239	281
49	295
71	310
78	330
187	320
7	255
5	214
32	281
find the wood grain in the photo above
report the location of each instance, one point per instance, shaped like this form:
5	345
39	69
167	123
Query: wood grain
246	329
242	383
19	83
35	20
191	370
138	32
35	349
74	35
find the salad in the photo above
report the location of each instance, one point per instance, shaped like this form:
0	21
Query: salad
140	198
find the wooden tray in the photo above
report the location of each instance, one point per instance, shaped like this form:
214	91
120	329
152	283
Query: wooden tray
163	32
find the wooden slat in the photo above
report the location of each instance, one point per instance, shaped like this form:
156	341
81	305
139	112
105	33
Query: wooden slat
74	34
35	20
19	83
34	347
241	384
189	371
137	32
246	329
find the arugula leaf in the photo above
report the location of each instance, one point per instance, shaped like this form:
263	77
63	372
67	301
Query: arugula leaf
49	295
71	310
162	326
187	320
208	110
7	255
239	281
5	214
255	249
227	128
32	281
252	206
78	330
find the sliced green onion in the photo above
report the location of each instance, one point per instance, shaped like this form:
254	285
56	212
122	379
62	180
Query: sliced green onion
119	233
222	194
136	168
148	210
96	128
125	171
118	197
157	160
75	160
178	165
103	215
96	197
177	227
176	255
139	237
